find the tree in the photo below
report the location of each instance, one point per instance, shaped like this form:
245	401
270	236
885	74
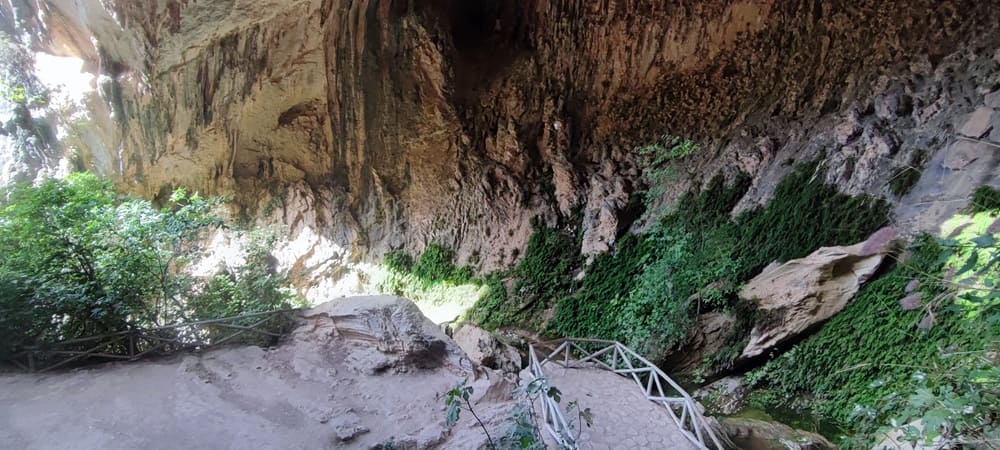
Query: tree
80	260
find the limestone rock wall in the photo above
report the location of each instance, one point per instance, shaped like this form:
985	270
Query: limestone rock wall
379	124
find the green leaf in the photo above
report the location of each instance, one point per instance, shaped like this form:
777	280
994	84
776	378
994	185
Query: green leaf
554	394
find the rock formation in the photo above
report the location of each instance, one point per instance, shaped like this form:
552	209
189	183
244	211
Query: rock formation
485	349
383	334
794	296
370	125
754	434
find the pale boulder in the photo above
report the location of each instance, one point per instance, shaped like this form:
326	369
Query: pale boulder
794	296
764	435
485	349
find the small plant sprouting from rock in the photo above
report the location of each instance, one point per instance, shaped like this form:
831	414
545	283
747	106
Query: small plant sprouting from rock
522	430
654	160
906	177
458	398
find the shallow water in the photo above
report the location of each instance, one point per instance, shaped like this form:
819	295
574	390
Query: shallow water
796	419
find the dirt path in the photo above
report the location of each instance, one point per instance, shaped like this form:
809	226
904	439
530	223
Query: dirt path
305	394
623	418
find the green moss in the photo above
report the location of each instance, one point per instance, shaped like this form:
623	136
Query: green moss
399	261
985	198
591	310
493	311
436	264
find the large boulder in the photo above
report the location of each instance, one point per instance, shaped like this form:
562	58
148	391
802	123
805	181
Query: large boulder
724	396
796	295
755	434
486	350
379	334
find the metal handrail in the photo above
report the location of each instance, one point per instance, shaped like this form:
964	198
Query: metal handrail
629	364
553	419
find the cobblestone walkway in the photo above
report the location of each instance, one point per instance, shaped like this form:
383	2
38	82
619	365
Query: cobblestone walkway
623	417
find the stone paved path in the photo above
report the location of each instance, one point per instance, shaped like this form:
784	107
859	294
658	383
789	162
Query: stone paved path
623	418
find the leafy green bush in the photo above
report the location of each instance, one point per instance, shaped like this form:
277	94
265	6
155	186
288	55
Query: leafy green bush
80	260
96	263
654	159
254	286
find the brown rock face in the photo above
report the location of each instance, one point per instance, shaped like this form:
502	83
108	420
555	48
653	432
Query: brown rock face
794	296
707	338
382	124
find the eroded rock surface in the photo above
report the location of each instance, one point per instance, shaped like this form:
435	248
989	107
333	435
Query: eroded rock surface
754	434
390	124
724	396
707	338
379	334
796	295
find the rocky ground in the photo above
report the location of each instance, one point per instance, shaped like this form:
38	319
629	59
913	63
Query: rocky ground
361	373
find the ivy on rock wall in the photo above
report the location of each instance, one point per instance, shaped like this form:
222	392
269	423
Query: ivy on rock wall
918	343
648	292
544	274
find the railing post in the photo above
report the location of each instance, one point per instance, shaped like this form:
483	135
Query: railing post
131	344
31	360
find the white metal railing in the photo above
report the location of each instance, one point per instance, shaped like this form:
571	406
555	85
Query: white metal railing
553	420
616	357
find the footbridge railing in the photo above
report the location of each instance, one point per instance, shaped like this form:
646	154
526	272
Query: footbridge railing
136	343
617	358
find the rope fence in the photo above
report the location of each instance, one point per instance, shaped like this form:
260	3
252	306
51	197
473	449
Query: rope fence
262	328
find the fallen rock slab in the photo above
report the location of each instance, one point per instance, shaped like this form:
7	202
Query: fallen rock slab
384	334
794	296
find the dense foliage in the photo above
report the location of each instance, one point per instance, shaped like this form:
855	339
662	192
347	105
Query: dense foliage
80	260
544	274
694	259
985	199
254	286
919	343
